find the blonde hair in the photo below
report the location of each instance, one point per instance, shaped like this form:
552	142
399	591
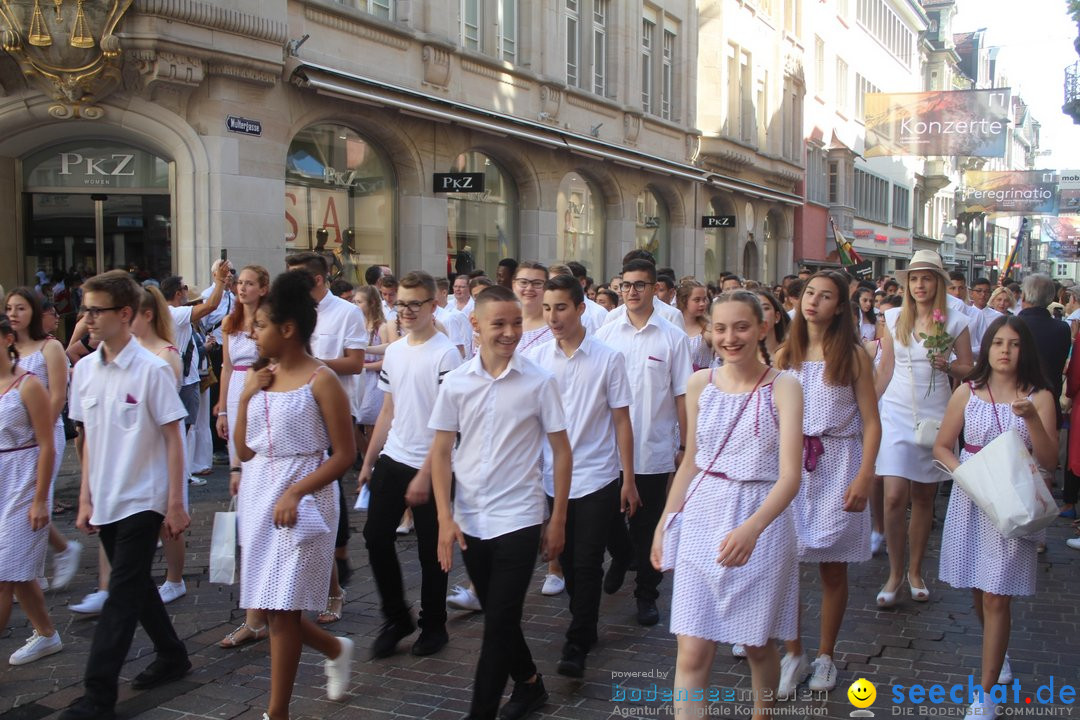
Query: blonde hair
161	323
998	291
370	301
905	324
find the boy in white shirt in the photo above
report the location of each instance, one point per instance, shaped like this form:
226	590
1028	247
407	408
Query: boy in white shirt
456	323
596	399
503	406
412	370
658	364
132	482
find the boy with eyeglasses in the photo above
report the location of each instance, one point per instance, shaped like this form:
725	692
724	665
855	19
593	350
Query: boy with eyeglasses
658	364
412	371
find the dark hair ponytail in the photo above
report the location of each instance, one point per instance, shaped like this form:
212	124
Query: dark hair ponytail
289	300
5	330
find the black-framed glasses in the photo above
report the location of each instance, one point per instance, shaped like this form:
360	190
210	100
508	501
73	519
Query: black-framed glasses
412	306
94	312
639	286
523	283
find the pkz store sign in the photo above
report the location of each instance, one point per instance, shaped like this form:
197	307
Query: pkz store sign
458	182
95	165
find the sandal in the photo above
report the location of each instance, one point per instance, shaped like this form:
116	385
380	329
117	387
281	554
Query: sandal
243	635
59	508
330	614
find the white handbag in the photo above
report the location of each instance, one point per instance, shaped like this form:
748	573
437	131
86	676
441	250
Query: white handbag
926	431
223	547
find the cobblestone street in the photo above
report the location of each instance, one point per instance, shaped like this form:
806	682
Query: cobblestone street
938	642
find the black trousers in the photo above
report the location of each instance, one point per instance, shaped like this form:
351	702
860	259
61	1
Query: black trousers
389	481
653	492
215	354
130	545
501	570
588	526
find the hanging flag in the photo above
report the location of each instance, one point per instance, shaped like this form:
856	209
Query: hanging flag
844	248
1010	263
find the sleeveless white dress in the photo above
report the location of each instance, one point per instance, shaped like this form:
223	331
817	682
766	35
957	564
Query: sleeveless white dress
22	550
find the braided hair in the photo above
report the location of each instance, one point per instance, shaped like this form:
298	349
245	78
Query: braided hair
5	331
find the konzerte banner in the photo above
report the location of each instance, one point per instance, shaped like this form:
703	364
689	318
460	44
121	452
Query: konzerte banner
1009	192
948	122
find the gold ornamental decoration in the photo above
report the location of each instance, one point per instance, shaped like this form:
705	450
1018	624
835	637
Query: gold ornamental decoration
69	50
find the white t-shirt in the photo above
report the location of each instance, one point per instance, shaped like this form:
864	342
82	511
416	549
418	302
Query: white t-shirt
458	327
228	302
341	327
669	313
503	422
412	375
122	405
592	382
182	330
658	364
594	316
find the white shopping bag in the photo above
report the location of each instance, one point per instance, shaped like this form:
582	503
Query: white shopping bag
1005	483
363	499
223	547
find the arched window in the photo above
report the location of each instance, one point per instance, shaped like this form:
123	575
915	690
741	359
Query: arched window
719	241
481	226
774	224
580	209
339	200
652	227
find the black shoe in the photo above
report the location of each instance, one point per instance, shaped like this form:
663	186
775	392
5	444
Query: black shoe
430	642
573	661
647	614
86	709
344	571
160	672
526	698
391	632
616	573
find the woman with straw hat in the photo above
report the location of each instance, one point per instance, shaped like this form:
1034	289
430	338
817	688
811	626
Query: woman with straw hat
911	410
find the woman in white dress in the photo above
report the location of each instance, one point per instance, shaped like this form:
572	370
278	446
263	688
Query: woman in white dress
692	299
287	505
776	318
864	299
916	396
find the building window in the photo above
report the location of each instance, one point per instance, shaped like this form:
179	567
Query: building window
791	16
470	25
818	185
871	197
337	182
887	28
648	31
843	8
652	230
732	122
581	228
573	43
379	8
842	97
901	207
746	90
819	66
667	76
508	30
834	182
862	87
792	117
482	227
761	108
600	14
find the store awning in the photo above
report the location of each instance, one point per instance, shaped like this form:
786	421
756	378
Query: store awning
337	83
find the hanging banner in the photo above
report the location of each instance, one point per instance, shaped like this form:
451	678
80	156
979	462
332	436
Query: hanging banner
1063	236
1069	191
1009	192
948	122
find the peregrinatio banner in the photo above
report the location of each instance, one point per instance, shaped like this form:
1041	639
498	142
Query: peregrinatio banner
1008	192
948	122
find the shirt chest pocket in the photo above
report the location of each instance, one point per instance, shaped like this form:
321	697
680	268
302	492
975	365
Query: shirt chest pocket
126	413
326	346
91	411
657	372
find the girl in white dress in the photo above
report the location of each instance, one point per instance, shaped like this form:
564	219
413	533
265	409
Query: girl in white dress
692	298
287	505
26	470
776	318
1006	390
864	299
370	302
736	571
842	432
529	279
238	355
918	393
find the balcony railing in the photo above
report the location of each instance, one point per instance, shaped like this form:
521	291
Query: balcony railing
1072	92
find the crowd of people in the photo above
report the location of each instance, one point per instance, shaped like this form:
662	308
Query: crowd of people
723	430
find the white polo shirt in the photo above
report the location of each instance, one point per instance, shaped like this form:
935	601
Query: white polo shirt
503	422
457	325
122	405
182	330
412	375
341	327
669	313
658	365
594	316
467	310
592	383
978	322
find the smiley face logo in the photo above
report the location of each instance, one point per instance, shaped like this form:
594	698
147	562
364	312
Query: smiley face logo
862	693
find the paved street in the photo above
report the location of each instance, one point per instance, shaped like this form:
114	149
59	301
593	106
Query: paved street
934	643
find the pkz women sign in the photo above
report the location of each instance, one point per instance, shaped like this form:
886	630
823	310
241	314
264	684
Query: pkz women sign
947	122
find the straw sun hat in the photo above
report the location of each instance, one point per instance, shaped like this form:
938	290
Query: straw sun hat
924	260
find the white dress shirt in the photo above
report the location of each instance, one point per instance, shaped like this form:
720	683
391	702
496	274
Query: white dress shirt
214	319
592	382
341	327
181	317
122	405
669	313
594	316
659	365
503	423
412	375
467	310
457	326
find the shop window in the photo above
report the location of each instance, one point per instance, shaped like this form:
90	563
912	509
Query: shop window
481	226
652	229
581	223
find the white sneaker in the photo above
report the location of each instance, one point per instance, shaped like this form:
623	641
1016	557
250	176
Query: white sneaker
170	591
793	670
877	542
66	564
196	480
738	651
553	585
339	670
824	677
983	709
1006	675
1074	543
405	528
463	598
36	648
92	603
